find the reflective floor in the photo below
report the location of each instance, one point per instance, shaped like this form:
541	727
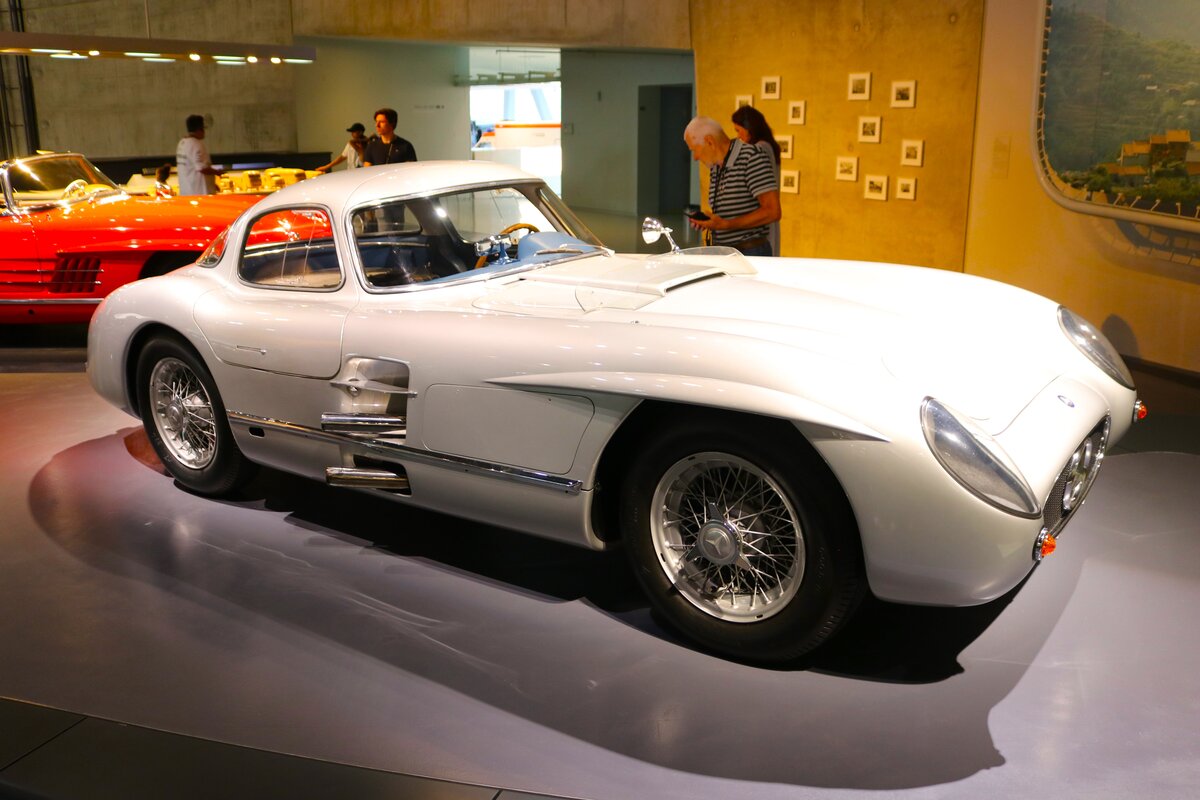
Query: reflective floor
350	632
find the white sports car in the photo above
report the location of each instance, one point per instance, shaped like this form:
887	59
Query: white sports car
767	438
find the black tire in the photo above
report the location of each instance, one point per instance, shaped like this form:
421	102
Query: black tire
742	538
185	419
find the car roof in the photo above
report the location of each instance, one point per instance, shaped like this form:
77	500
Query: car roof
355	187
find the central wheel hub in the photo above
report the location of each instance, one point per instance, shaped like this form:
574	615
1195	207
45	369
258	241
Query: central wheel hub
175	416
718	542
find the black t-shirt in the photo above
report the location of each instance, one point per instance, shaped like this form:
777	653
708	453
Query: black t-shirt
378	152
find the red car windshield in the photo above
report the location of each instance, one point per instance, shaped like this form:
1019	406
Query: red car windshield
38	181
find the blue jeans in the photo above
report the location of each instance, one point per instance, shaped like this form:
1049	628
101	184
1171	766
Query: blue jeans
763	249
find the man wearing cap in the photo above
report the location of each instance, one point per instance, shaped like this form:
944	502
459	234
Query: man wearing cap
193	165
352	152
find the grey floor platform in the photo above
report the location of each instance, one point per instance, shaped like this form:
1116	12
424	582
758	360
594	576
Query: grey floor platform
311	642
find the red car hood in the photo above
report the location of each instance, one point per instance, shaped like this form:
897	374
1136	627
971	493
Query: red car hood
125	221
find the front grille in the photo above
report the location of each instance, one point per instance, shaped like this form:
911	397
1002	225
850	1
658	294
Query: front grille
1075	479
75	275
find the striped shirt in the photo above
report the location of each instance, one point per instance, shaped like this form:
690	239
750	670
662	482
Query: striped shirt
734	187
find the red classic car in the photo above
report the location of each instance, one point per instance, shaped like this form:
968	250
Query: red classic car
69	236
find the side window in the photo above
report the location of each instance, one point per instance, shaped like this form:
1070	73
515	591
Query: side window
291	249
1119	117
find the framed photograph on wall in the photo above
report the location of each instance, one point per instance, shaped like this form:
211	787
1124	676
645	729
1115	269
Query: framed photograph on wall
743	100
904	94
912	152
860	86
875	187
847	168
797	112
785	145
870	129
789	181
906	188
770	87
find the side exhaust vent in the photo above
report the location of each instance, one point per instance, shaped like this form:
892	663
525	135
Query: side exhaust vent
369	478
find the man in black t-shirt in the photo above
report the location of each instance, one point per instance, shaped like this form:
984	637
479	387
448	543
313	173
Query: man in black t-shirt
386	147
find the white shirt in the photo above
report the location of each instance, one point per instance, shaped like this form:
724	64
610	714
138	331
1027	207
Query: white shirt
352	156
191	156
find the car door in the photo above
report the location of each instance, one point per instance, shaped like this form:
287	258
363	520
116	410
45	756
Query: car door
285	312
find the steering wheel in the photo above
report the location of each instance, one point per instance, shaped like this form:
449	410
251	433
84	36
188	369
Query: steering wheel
516	226
76	188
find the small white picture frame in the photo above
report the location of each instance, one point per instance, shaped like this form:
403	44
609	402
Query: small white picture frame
912	152
875	187
770	87
789	181
847	168
743	100
870	129
785	145
904	94
859	86
906	188
797	112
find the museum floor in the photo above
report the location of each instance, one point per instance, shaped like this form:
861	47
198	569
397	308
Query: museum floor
312	642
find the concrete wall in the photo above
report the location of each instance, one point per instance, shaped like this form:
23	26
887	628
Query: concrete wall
1147	299
813	47
600	122
353	77
661	24
117	108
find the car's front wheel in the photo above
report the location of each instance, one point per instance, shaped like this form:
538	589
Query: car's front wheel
185	419
743	541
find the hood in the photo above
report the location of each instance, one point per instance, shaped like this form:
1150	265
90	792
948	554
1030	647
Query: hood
121	221
974	344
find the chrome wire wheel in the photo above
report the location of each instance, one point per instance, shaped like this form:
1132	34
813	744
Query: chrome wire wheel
727	537
183	413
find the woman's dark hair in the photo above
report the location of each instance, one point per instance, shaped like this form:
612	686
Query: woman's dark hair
756	125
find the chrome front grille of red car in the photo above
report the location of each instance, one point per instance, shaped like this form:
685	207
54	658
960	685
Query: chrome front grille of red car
75	275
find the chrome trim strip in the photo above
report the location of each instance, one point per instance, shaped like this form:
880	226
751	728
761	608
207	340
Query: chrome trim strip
405	452
64	302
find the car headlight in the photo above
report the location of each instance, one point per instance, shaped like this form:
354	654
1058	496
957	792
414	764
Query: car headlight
1095	345
976	460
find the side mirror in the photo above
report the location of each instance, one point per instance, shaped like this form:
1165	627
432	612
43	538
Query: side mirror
653	229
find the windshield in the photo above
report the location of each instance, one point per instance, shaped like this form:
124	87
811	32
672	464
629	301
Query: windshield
466	233
49	179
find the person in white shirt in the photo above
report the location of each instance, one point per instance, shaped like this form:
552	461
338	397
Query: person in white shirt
193	165
352	153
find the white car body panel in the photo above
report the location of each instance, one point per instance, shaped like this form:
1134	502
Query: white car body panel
536	370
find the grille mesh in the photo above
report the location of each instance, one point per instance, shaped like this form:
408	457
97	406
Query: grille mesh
1054	517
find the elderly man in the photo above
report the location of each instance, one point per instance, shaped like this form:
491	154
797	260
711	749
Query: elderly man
743	194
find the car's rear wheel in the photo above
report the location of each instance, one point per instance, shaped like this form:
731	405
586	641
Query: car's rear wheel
743	542
185	419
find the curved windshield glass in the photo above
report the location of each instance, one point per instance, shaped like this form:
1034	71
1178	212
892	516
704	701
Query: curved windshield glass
50	179
472	231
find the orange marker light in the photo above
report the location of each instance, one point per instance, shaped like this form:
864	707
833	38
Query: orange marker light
1049	544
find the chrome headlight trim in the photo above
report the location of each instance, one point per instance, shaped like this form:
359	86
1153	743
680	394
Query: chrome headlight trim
976	460
1095	345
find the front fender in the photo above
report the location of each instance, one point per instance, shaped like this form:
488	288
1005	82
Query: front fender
698	391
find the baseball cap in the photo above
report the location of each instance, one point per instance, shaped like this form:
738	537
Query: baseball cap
358	126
